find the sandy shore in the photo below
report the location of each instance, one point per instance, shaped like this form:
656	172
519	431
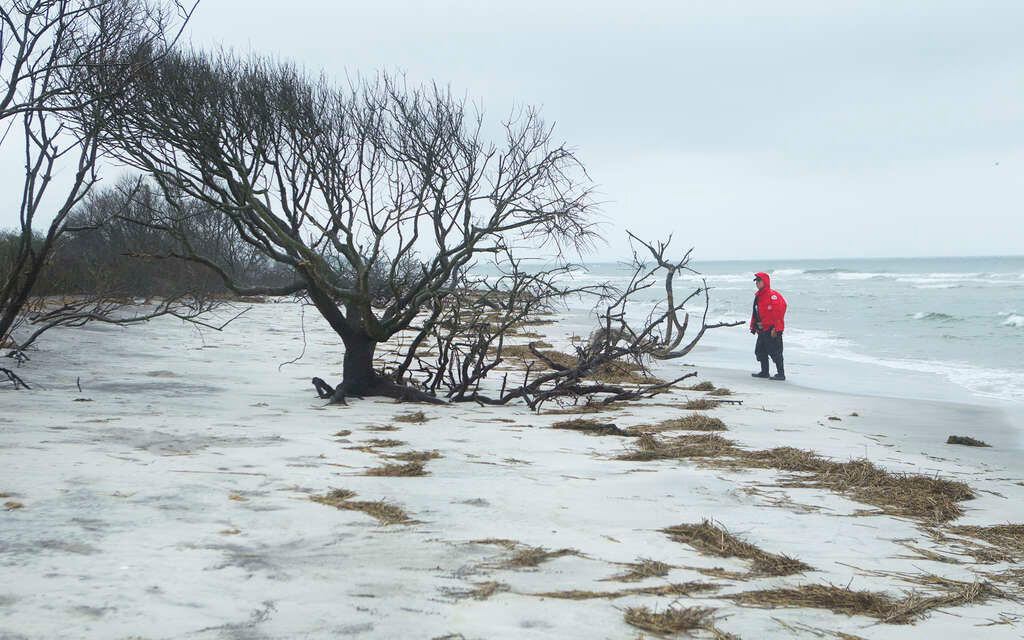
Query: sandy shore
171	498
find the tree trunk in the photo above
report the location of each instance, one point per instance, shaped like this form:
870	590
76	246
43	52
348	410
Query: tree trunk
359	378
358	375
19	295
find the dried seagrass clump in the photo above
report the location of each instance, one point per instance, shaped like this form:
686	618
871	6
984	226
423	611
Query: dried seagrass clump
674	619
415	417
712	539
532	556
591	427
408	469
386	513
672	589
691	422
641	570
928	498
700	404
881	606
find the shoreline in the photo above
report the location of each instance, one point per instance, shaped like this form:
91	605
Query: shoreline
178	498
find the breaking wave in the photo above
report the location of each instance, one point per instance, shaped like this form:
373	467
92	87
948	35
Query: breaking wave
932	315
1013	320
824	272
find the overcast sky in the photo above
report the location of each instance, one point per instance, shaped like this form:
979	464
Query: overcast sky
749	129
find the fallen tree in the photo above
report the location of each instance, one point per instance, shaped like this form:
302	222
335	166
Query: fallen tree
468	342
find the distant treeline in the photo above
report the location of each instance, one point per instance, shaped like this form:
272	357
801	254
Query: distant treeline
118	243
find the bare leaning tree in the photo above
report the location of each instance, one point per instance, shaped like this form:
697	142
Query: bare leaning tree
47	48
378	197
383	201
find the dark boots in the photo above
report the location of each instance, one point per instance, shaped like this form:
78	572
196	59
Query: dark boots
779	365
764	370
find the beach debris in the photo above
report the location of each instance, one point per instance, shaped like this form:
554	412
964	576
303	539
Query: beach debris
911	607
643	569
414	417
591	427
926	554
408	469
415	456
702	386
987	544
924	497
672	589
11	505
384	442
524	556
674	619
835	418
795	628
700	404
515	330
692	422
928	498
713	539
343	433
587	407
721	391
386	427
690	446
481	590
500	542
527	557
384	512
14	379
967	441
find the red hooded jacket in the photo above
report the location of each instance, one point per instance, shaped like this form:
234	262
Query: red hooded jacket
769	306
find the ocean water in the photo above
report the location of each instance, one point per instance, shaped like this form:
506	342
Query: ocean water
954	322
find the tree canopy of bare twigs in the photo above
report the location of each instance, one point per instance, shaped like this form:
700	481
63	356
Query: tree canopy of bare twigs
379	197
611	365
47	51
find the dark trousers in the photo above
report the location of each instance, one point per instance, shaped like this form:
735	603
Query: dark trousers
769	347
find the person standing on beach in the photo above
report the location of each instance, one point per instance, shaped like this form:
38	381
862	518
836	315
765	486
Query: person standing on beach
768	322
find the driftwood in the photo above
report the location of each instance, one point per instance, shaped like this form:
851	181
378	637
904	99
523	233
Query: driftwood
13	378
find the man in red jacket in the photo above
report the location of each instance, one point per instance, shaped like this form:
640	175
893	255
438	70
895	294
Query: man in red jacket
768	322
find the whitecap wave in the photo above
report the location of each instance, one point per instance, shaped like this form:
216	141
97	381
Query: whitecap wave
933	315
939	285
825	272
1013	320
863	275
1000	384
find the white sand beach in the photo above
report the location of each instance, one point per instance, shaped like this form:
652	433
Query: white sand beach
171	498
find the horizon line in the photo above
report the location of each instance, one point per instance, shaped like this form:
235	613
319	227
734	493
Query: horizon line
926	257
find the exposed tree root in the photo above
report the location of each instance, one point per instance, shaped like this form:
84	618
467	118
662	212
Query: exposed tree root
380	387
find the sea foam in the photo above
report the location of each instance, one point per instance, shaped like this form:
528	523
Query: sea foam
1013	320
